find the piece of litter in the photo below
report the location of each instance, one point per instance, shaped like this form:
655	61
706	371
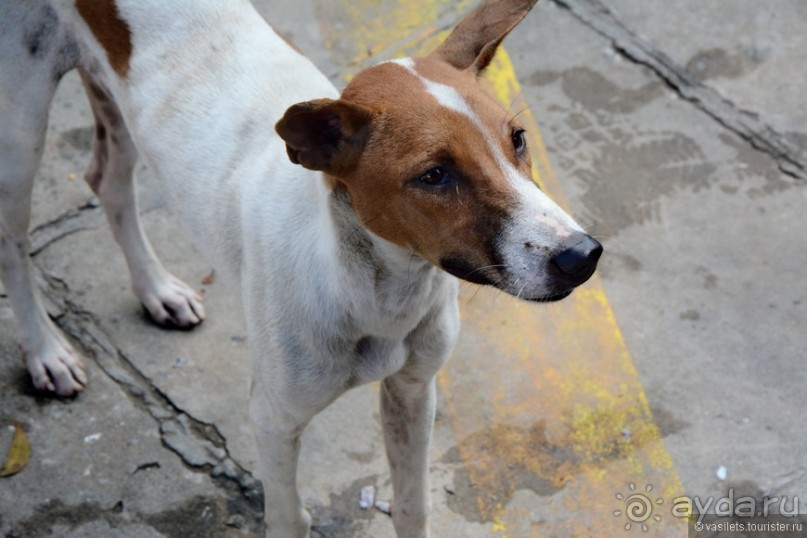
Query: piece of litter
206	513
366	497
384	506
18	453
722	473
210	278
72	177
92	438
627	434
236	521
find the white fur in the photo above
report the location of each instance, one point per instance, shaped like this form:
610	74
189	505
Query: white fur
206	84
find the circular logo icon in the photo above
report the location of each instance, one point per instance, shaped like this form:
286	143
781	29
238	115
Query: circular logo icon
638	507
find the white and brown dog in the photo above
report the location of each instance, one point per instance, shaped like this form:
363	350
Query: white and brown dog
341	234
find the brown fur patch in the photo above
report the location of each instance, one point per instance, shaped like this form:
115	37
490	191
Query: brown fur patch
412	133
407	133
112	32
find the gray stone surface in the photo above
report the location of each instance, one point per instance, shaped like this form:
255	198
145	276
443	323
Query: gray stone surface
704	267
706	249
745	50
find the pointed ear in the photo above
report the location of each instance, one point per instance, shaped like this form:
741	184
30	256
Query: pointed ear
325	134
474	41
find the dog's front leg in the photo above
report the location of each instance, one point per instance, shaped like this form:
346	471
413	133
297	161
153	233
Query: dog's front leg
407	406
278	432
283	401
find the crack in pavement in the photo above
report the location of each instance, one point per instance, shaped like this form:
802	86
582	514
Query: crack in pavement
198	516
200	445
792	160
88	216
85	217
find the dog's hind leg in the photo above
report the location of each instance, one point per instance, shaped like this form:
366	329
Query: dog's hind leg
26	88
169	301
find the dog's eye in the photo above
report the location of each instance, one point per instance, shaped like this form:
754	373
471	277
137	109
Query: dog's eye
435	177
519	142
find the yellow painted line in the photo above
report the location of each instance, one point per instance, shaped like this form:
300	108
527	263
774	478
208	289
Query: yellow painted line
544	400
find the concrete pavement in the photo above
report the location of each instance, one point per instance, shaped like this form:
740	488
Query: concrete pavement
673	130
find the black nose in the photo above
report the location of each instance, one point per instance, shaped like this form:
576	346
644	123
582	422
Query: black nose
577	263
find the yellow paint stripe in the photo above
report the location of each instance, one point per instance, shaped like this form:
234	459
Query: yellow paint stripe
542	398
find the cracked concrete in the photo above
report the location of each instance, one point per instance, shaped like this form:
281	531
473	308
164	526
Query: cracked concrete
84	217
199	445
668	143
792	159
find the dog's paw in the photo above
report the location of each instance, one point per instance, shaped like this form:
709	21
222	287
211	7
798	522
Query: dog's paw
55	367
171	303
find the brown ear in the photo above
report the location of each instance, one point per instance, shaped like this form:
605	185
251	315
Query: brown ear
325	134
473	42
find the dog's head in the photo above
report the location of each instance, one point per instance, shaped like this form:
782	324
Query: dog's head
435	165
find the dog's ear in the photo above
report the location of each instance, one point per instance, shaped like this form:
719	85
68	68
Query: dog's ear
474	41
325	134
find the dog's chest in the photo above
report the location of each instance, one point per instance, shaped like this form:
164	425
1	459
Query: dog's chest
343	306
390	326
374	358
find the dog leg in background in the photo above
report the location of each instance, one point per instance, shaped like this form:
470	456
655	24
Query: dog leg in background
169	301
407	408
52	362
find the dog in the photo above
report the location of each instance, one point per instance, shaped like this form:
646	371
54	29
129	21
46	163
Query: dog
344	221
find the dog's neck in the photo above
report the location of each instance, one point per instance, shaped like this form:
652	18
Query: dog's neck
361	245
